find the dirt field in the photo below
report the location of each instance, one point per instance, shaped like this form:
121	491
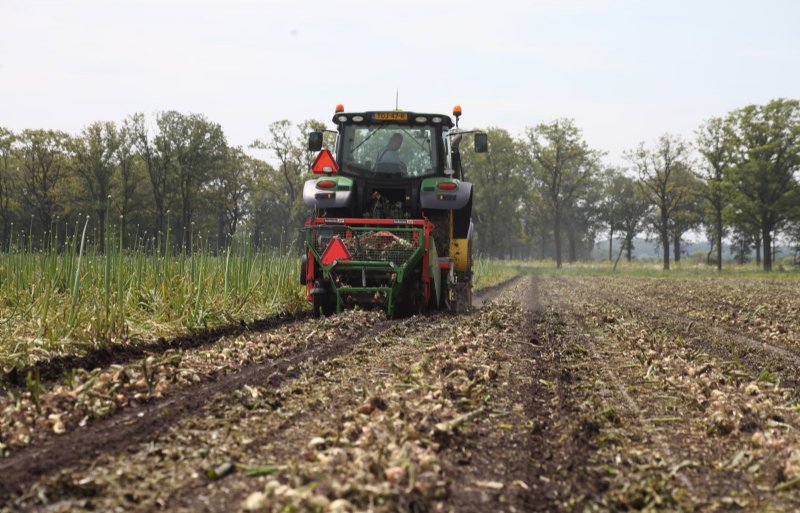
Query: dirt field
557	394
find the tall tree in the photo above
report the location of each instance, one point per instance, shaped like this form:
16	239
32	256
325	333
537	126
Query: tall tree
632	206
656	169
8	179
713	143
43	161
125	158
498	175
230	189
564	164
688	213
155	154
288	145
200	149
583	220
613	184
281	143
94	163
265	206
766	146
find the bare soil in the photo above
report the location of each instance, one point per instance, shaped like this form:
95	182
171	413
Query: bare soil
558	394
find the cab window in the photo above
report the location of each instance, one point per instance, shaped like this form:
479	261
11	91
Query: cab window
391	150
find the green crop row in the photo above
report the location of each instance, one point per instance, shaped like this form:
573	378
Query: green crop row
74	297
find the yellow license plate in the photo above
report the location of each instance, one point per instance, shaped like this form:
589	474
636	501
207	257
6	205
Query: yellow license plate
391	116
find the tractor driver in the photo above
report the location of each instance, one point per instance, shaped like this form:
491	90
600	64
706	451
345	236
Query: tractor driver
391	153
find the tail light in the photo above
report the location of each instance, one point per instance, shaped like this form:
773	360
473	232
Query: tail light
446	186
326	184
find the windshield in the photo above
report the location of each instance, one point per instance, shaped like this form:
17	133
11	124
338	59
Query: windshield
389	150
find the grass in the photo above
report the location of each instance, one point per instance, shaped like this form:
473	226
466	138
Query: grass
683	269
488	272
80	297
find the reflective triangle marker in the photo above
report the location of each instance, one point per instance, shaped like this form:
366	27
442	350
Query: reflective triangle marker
324	163
335	251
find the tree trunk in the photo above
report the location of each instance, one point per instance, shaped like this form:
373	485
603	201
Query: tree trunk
766	239
758	251
610	244
221	238
186	226
676	243
711	246
543	248
665	236
719	239
624	244
774	252
742	252
101	223
629	249
557	238
573	244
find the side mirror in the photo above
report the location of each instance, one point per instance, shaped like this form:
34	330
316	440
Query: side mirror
315	141
481	143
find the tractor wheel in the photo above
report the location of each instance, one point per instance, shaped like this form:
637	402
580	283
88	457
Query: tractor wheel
461	297
441	233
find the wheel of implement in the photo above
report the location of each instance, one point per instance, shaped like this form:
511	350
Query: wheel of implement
323	302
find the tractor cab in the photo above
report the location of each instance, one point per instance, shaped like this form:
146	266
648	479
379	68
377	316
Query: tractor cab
393	145
385	158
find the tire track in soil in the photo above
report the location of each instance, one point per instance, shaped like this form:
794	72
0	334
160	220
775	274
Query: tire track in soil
114	434
485	453
634	410
53	369
228	492
543	464
191	497
570	441
760	353
560	444
490	293
563	444
706	474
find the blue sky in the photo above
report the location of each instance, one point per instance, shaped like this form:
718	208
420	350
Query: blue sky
626	71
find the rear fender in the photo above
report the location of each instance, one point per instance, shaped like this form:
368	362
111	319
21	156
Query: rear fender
337	197
433	198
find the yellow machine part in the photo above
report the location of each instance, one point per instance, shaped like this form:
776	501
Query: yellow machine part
459	250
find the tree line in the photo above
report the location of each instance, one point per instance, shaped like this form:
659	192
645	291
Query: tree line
547	194
172	178
167	179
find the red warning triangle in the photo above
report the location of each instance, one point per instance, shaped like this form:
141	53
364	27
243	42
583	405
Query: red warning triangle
335	251
324	163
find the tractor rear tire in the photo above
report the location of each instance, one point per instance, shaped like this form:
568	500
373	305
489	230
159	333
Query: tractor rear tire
441	232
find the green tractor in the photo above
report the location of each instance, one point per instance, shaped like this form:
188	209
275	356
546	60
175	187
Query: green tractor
391	223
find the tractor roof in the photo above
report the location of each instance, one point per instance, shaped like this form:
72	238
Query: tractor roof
392	117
